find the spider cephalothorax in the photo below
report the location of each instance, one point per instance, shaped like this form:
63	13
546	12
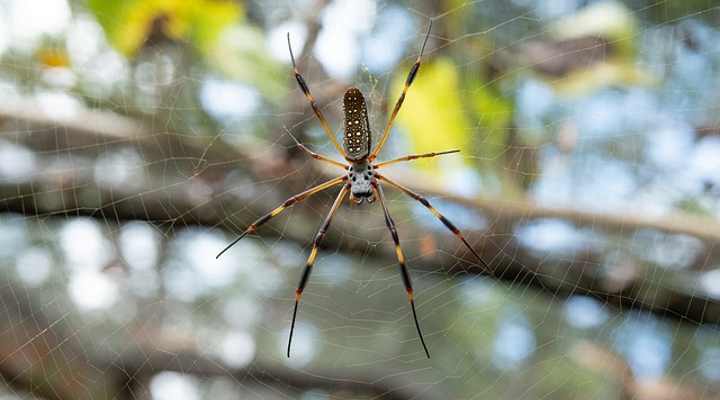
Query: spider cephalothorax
360	179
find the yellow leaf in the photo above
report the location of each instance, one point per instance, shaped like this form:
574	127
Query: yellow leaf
432	115
610	21
128	23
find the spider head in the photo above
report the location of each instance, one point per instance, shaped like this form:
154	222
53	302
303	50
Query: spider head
360	177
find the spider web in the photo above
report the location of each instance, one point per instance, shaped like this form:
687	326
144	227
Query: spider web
116	201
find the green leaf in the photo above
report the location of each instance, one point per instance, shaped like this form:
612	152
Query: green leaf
241	54
494	114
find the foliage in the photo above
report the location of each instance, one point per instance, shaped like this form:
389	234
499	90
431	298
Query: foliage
128	23
615	25
433	114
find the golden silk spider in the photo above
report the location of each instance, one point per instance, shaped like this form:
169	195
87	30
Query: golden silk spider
361	179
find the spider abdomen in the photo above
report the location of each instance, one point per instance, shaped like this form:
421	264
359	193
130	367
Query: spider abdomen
357	125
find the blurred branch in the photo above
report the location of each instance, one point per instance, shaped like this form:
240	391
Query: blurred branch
41	354
143	364
313	29
699	227
601	359
200	195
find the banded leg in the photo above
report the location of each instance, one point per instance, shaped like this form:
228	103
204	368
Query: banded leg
408	81
313	255
306	91
437	214
322	157
285	205
415	157
314	154
401	260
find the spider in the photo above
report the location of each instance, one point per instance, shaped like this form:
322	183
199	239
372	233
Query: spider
360	180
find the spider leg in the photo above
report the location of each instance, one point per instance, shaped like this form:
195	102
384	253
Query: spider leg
401	260
408	81
415	157
422	200
323	158
288	203
306	91
316	155
313	255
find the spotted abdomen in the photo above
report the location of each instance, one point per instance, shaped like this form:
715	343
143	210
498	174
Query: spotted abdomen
357	126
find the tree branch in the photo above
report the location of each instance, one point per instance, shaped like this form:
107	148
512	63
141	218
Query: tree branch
40	354
204	163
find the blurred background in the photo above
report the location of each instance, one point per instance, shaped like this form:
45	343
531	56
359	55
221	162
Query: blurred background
138	138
